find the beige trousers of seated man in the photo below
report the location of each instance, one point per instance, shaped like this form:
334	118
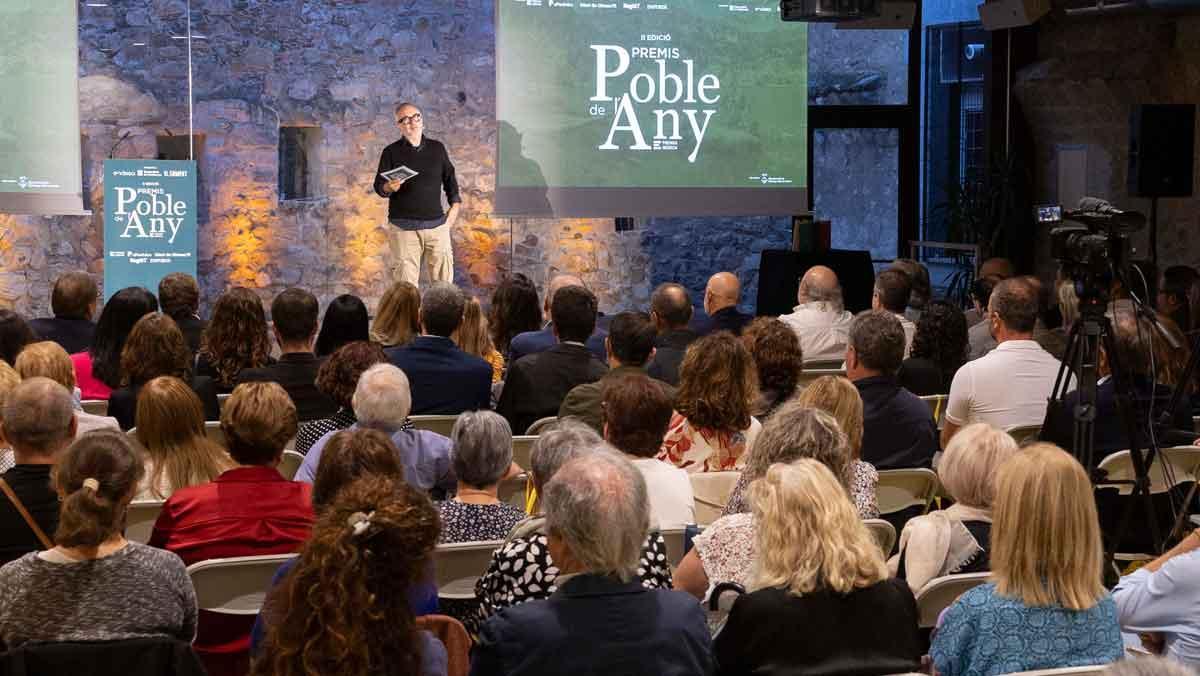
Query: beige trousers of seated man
409	247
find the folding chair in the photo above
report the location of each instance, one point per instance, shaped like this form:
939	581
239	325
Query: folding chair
937	407
522	450
711	491
442	424
808	375
674	537
1024	434
290	464
222	398
212	428
234	586
940	592
140	518
95	406
900	489
458	565
539	425
884	534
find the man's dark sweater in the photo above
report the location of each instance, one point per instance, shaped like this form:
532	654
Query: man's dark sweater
419	198
75	335
31	483
898	428
297	373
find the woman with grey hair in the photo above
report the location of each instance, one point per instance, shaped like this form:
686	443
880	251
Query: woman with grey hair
481	456
523	570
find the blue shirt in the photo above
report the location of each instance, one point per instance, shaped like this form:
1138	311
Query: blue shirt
424	455
1166	601
985	634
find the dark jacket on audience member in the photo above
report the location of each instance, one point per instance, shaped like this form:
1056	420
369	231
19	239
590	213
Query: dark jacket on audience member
583	401
296	372
75	335
532	342
725	319
537	384
31	483
129	657
868	631
670	348
122	403
898	428
444	380
192	328
597	625
923	376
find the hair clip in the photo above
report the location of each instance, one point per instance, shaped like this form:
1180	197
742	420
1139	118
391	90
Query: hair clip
359	522
92	484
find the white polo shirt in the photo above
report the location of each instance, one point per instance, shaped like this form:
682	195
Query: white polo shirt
1004	388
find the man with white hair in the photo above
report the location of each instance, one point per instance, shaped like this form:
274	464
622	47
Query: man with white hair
532	342
820	320
382	401
597	517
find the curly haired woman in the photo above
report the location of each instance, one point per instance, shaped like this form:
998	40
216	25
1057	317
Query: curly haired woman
236	338
939	347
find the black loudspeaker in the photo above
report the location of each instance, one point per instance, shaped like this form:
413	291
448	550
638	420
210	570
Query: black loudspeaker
1162	141
779	275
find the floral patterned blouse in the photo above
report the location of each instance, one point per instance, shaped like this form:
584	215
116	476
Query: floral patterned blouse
726	550
699	449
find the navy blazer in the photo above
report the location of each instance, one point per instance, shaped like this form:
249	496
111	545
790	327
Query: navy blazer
726	319
532	342
444	379
597	625
898	428
122	403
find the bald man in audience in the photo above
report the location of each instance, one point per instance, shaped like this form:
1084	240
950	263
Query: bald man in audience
820	320
670	310
532	342
721	297
39	422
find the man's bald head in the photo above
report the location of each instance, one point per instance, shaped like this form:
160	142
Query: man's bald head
39	419
723	290
820	285
557	282
996	269
670	306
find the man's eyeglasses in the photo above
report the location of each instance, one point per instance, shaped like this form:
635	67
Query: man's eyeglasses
411	119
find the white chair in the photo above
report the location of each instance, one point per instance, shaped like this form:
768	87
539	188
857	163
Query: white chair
212	428
1171	467
711	491
824	364
234	586
809	375
673	537
1096	669
539	425
940	592
290	463
523	450
899	489
222	398
95	406
1024	434
140	518
937	407
512	490
884	534
458	565
442	424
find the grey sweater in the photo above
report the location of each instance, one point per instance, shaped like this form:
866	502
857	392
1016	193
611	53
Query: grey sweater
136	592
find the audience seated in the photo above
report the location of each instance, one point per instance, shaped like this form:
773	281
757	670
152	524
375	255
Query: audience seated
396	322
94	585
820	598
73	302
49	360
898	428
170	429
515	310
939	348
721	296
532	342
248	510
819	320
979	336
1179	295
98	371
336	379
712	429
1045	607
630	347
294	323
670	311
537	385
156	347
636	410
602	619
1009	386
892	291
344	607
473	337
382	400
345	321
724	552
777	361
838	397
15	334
39	422
957	539
9	379
981	290
179	296
482	456
524	568
234	339
922	290
445	380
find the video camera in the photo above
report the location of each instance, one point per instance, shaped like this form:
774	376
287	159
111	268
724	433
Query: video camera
1091	244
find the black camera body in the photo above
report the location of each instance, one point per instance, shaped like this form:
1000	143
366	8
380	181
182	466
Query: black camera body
1091	246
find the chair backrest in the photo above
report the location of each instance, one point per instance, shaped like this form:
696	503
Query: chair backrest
95	406
900	489
234	586
139	520
540	424
1024	434
454	637
940	592
290	463
884	534
824	364
674	538
212	428
808	375
711	491
512	490
523	450
222	398
937	407
442	424
1171	467
1096	669
459	564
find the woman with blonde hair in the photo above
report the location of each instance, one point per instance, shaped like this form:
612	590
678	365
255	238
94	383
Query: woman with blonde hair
396	319
170	428
820	597
473	337
957	539
49	360
1045	607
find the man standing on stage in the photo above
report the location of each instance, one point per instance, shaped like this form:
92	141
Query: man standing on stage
418	227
